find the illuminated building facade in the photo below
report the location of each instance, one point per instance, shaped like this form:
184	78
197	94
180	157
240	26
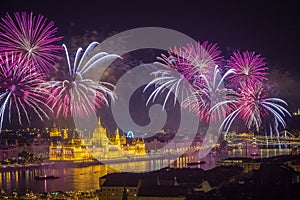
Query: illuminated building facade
247	164
99	146
54	132
103	146
117	186
74	150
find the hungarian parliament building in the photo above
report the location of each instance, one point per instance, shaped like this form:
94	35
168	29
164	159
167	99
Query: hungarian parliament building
99	146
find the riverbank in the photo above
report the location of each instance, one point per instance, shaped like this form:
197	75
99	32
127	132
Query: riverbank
18	167
85	177
218	182
90	194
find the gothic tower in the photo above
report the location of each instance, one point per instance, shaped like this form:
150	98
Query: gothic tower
100	136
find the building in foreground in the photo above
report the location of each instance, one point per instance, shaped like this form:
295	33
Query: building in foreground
274	179
167	183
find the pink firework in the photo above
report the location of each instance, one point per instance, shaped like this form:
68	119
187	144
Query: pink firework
75	94
253	105
19	91
195	60
31	38
249	69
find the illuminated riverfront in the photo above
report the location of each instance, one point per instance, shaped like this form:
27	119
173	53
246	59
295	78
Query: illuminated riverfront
75	179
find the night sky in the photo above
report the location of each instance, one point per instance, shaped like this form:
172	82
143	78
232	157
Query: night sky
270	29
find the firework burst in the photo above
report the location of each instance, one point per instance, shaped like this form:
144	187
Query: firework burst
170	82
191	62
31	38
252	105
195	60
249	69
19	90
76	95
212	97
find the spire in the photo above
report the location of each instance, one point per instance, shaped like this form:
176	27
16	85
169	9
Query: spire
99	121
117	137
117	132
65	135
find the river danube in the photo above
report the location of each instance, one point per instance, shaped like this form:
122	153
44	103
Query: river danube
87	178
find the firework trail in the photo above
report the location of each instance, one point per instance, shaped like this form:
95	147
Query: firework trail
169	82
76	95
252	105
192	62
19	90
212	97
249	69
31	38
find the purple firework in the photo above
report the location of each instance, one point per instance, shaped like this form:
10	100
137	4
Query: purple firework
195	60
31	38
19	91
253	105
249	69
192	62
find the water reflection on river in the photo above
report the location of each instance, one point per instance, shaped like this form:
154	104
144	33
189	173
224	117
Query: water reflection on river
86	178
